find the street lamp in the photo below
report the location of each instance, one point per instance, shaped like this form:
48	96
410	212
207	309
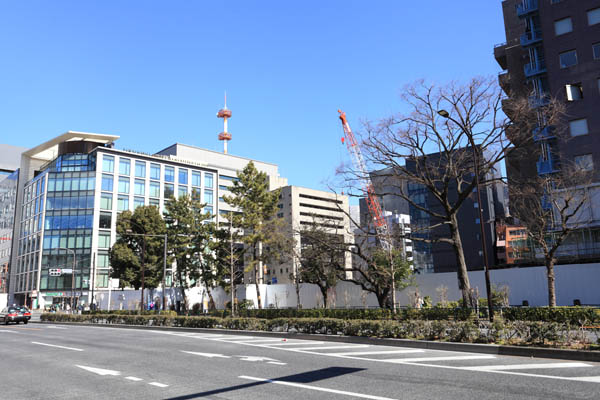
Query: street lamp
446	115
72	274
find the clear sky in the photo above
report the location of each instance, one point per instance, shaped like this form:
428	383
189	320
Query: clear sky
154	72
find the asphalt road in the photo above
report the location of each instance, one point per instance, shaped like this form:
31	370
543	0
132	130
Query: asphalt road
44	361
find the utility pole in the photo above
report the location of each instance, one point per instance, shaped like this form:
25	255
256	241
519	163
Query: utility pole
231	264
143	271
164	286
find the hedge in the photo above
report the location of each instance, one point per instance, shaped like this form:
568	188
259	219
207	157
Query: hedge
470	331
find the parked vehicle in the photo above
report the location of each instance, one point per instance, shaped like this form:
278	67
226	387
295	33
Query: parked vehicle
13	314
26	312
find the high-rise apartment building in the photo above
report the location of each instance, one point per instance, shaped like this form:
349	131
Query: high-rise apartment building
71	190
552	50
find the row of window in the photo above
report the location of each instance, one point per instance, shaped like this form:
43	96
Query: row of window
108	165
74	183
72	202
569	58
70	241
565	25
69	221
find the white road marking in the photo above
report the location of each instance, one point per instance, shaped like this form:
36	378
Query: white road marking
298	343
259	341
2	330
354	346
365	353
100	371
276	363
255	358
453	358
209	355
527	366
588	379
133	378
59	347
55	327
161	385
320	389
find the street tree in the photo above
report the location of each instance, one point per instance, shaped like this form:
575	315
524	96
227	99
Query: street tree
322	258
435	146
262	234
137	256
552	207
189	240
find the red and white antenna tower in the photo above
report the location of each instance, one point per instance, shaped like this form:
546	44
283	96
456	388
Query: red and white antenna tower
225	136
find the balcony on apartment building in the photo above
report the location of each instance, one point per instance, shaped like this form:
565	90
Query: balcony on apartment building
548	166
545	133
539	100
527	7
535	67
531	37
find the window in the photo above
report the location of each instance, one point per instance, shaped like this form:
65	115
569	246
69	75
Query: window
477	221
568	59
563	26
105	220
124	166
476	204
169	174
183	176
154	202
140	169
578	127
208	180
593	16
574	92
223	187
137	202
103	260
596	51
123	185
106	201
182	191
208	209
139	187
208	196
107	183
169	190
122	203
108	163
196	194
195	178
155	171
154	189
585	162
103	240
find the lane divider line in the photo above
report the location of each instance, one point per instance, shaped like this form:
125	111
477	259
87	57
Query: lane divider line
57	346
366	353
527	366
133	378
158	384
427	359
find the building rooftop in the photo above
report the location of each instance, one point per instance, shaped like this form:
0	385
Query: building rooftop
49	150
10	157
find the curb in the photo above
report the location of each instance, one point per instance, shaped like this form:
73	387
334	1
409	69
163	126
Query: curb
537	352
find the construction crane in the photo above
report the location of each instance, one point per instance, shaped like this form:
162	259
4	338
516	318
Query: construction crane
381	226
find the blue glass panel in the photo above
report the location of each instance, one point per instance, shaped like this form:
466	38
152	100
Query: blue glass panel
90	202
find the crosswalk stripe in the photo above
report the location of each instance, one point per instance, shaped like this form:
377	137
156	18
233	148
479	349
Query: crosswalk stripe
526	366
252	341
425	359
356	346
365	353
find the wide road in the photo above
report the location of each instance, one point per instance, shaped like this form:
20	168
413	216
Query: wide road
47	361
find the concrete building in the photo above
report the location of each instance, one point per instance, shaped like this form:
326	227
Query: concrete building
552	50
439	257
71	190
302	207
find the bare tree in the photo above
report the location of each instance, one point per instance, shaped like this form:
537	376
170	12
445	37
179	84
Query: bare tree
551	207
450	137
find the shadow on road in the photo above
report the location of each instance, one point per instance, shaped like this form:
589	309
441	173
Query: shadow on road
305	377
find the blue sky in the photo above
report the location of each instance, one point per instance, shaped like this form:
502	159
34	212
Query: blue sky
155	72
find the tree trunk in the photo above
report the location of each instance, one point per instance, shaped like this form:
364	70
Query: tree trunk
324	294
257	288
551	285
297	284
182	286
463	277
381	297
